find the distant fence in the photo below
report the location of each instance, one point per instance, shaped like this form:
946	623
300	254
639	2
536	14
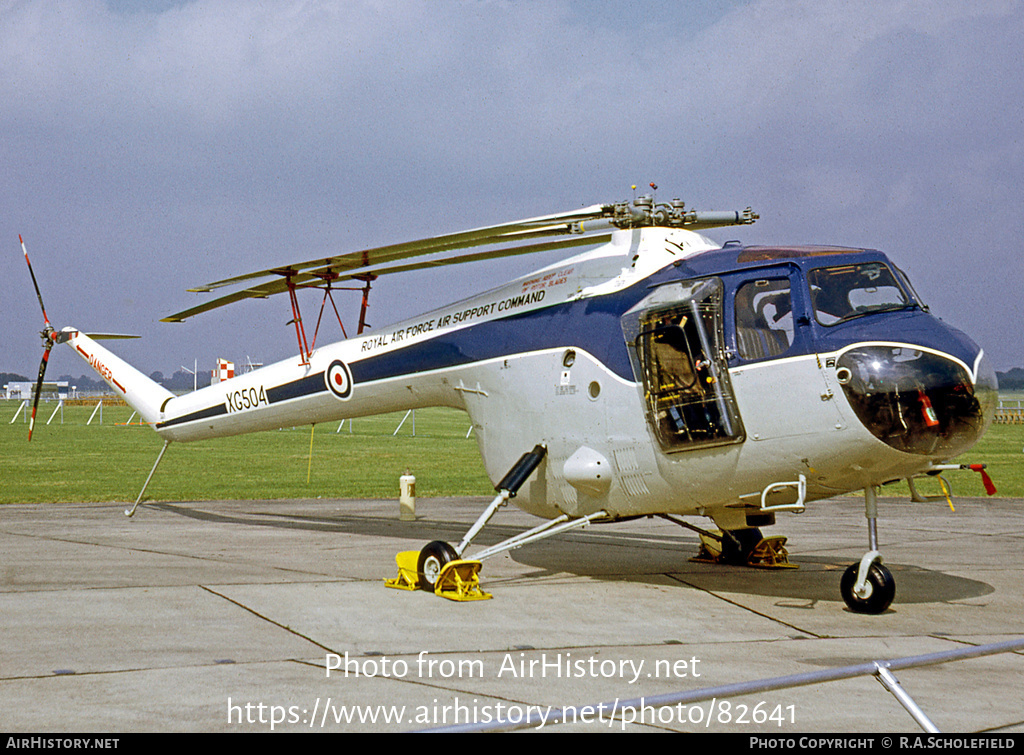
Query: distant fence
1010	412
93	400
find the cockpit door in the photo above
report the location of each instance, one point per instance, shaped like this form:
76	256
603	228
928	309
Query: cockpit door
773	356
676	343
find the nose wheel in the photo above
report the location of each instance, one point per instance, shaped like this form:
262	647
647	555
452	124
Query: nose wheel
874	596
867	586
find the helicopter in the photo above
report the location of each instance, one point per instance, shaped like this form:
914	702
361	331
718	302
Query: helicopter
653	372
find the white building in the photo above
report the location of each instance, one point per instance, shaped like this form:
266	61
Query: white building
50	390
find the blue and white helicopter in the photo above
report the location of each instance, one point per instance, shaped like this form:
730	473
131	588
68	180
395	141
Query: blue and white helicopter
653	373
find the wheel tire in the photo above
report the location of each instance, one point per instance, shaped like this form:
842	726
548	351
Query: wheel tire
432	560
881	589
738	554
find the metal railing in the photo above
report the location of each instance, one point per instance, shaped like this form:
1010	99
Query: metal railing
880	669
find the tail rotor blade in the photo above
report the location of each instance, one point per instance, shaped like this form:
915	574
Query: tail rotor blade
39	388
49	336
34	283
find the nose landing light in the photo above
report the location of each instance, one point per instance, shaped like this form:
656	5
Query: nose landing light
917	401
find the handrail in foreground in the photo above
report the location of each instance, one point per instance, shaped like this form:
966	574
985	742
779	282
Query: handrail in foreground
880	669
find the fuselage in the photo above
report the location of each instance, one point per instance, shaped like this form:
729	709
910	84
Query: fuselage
663	374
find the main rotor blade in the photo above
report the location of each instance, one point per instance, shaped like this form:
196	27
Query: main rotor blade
518	230
583	224
39	388
110	336
336	273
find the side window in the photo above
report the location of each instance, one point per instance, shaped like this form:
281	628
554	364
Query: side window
672	363
764	318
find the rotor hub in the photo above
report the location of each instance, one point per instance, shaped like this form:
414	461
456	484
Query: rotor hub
645	212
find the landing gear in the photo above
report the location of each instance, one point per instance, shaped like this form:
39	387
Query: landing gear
876	595
441	569
432	560
459	581
737	545
867	586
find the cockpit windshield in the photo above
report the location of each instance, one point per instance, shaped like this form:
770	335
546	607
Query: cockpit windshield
845	291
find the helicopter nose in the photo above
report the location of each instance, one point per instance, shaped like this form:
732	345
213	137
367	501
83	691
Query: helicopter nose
919	401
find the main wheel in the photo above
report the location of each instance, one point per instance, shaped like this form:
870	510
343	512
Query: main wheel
738	550
880	587
432	560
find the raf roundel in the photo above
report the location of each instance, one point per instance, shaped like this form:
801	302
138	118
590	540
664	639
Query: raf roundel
339	380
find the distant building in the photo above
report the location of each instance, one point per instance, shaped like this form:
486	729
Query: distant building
49	390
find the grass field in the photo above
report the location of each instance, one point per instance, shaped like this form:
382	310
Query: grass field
109	462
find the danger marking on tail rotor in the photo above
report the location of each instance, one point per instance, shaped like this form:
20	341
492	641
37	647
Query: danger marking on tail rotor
339	380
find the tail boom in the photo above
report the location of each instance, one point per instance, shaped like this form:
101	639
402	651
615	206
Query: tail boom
142	393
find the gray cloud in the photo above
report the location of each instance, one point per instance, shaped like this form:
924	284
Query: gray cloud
146	150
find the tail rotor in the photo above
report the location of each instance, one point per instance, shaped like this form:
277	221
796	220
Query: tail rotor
49	336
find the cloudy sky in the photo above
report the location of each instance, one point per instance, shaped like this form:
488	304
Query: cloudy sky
148	147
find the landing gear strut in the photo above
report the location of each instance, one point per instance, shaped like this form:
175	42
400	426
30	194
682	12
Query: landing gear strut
441	569
868	587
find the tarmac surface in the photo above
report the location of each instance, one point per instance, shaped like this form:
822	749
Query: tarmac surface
223	617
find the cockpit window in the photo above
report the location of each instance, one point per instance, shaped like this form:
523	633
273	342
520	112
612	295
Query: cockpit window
846	291
909	288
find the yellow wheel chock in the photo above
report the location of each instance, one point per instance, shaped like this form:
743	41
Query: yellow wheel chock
458	579
408	577
770	553
710	550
